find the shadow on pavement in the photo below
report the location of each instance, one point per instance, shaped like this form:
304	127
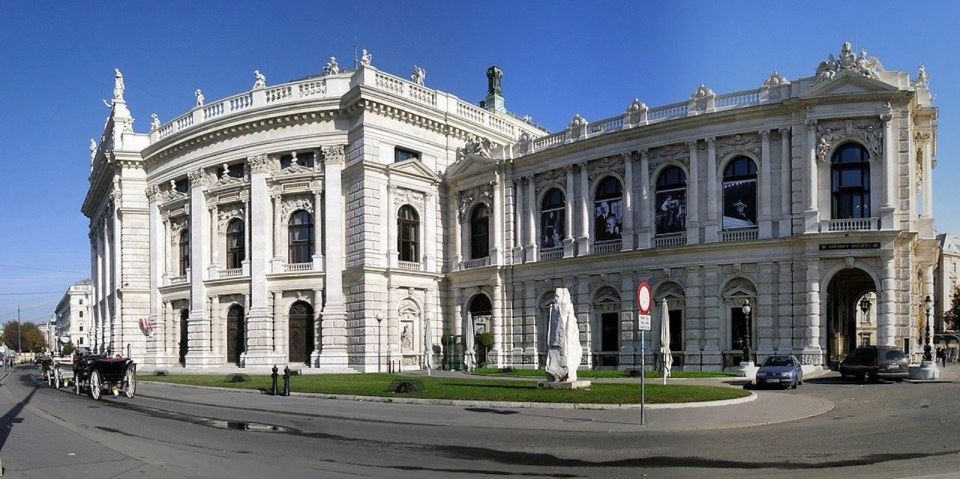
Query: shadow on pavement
12	416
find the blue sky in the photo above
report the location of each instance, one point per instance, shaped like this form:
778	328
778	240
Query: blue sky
559	58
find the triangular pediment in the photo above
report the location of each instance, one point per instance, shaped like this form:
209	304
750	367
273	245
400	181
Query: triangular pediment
413	168
848	83
471	165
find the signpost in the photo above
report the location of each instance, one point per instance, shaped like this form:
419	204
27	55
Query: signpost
644	300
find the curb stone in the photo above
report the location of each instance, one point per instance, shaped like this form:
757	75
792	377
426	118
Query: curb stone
471	403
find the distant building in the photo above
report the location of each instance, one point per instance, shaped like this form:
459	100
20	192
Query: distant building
947	276
72	315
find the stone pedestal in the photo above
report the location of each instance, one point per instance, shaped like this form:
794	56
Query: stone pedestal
927	371
567	386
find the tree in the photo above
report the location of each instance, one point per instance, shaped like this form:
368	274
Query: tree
25	338
951	317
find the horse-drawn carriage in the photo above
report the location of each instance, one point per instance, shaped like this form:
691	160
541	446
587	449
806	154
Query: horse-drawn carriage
97	373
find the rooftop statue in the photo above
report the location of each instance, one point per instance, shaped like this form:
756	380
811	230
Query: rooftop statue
154	122
199	95
418	75
494	78
702	91
331	67
564	351
863	64
577	121
118	86
259	80
366	58
93	149
923	78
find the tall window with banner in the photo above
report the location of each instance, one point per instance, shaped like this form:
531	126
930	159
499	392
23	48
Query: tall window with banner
671	201
740	194
552	214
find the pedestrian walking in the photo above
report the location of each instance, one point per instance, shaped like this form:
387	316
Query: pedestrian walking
942	357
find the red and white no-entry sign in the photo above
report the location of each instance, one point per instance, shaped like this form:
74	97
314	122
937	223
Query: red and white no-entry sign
643	297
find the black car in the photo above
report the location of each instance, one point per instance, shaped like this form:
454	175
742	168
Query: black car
875	362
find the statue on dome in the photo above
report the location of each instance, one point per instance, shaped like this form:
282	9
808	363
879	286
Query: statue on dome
331	68
260	81
199	95
366	58
494	79
418	75
118	86
154	122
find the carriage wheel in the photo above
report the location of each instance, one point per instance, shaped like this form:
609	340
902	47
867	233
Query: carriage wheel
95	385
130	382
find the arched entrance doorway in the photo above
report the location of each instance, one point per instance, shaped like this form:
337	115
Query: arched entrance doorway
235	334
184	315
606	346
301	332
845	319
481	315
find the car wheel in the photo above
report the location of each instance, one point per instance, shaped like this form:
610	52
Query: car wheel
130	383
873	378
794	385
95	385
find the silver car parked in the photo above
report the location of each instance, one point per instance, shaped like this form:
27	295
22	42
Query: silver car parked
780	370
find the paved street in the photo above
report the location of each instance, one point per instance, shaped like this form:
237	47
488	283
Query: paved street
869	430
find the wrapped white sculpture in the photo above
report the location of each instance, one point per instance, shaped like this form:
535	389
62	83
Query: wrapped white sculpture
563	340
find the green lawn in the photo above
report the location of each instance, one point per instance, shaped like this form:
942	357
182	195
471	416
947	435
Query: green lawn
467	388
602	373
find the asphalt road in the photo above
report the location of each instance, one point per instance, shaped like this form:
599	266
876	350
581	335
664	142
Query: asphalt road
875	430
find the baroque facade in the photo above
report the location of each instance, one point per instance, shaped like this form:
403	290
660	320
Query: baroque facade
351	219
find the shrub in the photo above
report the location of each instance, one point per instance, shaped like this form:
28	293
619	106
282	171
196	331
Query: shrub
67	348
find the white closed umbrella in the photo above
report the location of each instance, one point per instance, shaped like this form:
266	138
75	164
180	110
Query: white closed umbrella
665	340
428	346
469	357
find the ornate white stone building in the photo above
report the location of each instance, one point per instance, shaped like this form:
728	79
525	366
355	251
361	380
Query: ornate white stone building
278	224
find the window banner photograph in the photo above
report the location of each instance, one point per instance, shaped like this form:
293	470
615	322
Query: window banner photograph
552	229
608	215
671	212
740	204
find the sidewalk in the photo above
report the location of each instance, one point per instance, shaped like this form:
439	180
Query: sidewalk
769	408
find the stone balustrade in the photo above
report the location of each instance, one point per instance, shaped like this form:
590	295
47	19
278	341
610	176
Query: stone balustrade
849	224
230	273
334	86
552	254
674	241
476	263
409	265
607	248
739	235
297	267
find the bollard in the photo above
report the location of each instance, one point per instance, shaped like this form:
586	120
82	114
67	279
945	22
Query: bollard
273	389
286	381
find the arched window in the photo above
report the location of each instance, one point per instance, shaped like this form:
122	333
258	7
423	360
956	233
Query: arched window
608	210
850	182
480	232
236	246
300	237
408	238
671	205
552	214
184	247
740	194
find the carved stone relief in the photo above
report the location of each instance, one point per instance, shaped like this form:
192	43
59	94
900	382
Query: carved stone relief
610	164
748	143
467	198
403	196
869	131
228	213
676	152
296	202
547	179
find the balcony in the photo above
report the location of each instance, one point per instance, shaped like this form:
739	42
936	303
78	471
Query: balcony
675	241
476	263
610	247
850	224
738	235
551	254
230	273
297	267
178	279
410	265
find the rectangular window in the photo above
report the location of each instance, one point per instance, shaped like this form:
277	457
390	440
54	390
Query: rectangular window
676	330
182	185
738	329
403	154
81	314
670	216
81	341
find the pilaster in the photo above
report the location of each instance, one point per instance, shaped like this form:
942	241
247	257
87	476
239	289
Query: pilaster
334	352
765	221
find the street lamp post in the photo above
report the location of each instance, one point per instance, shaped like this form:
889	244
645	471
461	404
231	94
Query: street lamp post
746	337
865	308
379	336
927	306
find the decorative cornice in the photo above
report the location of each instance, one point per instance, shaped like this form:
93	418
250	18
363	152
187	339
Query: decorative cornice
260	164
334	155
198	177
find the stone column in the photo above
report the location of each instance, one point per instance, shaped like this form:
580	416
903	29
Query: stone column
218	330
693	196
280	326
458	233
108	290
785	302
391	231
530	336
627	236
887	321
583	242
643	238
889	208
260	321
811	214
712	231
812	353
334	355
497	223
156	236
568	241
198	329
278	250
430	231
531	249
786	186
247	234
929	291
317	230
766	195
496	356
213	246
518	221
705	290
928	176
